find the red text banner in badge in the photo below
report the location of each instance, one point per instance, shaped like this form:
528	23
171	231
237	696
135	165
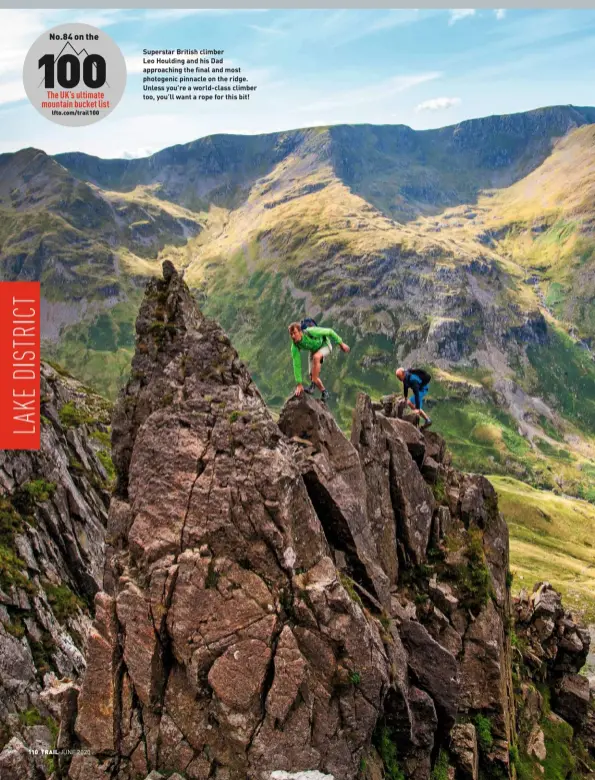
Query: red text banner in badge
19	365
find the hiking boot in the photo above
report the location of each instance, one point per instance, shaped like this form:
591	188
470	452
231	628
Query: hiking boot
310	389
325	396
427	425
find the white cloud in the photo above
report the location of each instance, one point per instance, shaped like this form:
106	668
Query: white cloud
106	17
134	64
438	104
394	18
456	14
18	30
371	94
500	13
355	27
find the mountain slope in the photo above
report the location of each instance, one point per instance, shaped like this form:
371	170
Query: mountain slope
89	249
399	170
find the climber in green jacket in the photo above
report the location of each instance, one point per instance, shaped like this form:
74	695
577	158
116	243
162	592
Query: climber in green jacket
318	343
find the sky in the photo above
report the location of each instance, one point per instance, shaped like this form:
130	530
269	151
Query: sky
423	68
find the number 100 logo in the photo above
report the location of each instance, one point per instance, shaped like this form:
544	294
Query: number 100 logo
66	70
74	74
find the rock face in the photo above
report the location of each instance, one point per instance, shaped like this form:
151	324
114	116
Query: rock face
267	608
53	512
277	601
552	649
225	632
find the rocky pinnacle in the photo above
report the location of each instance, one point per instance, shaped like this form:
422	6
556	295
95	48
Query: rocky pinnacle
277	598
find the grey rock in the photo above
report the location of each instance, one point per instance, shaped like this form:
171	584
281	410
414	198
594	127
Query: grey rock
368	436
412	498
227	563
572	699
16	763
536	744
435	445
464	750
336	483
434	667
430	470
547	602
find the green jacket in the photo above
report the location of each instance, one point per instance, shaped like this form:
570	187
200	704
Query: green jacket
312	340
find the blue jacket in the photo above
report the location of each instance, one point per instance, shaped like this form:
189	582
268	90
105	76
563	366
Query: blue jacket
413	382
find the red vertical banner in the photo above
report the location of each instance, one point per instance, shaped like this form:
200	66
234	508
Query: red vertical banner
19	365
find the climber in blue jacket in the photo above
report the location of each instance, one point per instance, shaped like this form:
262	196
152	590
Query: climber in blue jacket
418	381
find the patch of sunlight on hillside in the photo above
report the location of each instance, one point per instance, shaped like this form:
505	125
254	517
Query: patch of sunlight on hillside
565	180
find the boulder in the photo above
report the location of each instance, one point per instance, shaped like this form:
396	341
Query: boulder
547	602
430	470
435	445
572	698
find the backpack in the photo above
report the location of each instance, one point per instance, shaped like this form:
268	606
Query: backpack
423	375
307	322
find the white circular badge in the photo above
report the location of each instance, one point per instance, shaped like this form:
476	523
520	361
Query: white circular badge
74	74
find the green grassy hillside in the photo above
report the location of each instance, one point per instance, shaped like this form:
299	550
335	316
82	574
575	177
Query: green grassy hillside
551	538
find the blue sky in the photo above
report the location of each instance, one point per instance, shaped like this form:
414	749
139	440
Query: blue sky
423	68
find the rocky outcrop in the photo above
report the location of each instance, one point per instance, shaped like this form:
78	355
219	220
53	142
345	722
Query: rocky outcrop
53	511
554	643
336	482
550	650
226	631
278	599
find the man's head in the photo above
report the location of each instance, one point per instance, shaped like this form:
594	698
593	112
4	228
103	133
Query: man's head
295	331
400	372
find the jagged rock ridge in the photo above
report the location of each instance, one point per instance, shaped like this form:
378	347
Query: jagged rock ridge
53	512
279	599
